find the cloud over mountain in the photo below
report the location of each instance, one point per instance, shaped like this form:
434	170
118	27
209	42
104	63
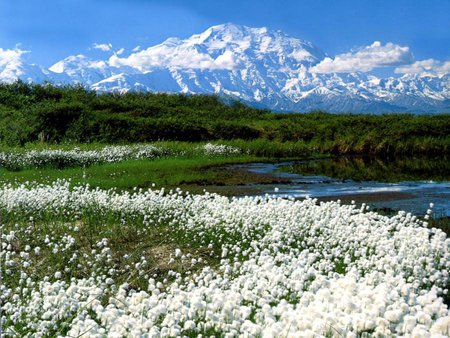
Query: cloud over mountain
429	66
10	62
365	59
14	67
171	56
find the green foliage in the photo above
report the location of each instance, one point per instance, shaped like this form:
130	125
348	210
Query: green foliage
30	113
367	168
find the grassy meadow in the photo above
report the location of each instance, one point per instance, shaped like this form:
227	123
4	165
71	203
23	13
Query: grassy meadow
106	230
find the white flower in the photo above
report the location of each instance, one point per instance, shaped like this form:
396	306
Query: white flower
177	252
288	268
189	325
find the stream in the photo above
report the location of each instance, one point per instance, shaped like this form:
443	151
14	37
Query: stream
406	184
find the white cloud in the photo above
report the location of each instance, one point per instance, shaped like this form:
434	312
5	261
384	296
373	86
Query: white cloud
11	64
120	51
137	49
173	55
365	59
10	56
102	46
429	66
226	60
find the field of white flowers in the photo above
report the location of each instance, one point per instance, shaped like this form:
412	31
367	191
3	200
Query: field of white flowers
83	262
106	154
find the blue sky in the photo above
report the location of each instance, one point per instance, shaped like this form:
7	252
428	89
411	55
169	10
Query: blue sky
53	29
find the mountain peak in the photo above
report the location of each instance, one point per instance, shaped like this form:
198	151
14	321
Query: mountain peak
262	67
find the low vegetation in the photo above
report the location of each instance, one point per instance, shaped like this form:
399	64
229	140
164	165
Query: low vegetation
31	113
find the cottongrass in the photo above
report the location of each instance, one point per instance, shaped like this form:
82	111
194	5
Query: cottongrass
77	157
285	269
220	149
108	154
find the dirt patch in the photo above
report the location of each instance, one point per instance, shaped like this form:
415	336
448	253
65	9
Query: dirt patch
226	176
161	256
233	182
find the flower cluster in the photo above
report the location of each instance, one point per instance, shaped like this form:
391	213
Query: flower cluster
76	157
109	154
283	268
220	149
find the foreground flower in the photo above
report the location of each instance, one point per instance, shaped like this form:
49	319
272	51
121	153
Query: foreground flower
283	267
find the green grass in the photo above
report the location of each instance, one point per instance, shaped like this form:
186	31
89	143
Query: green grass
184	167
163	172
440	222
128	238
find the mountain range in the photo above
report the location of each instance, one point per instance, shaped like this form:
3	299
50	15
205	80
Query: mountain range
260	67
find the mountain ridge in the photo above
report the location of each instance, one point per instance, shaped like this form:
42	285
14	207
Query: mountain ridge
260	67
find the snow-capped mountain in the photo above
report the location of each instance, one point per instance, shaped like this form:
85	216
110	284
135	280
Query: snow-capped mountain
261	67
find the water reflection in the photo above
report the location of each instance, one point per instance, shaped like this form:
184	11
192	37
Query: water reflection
409	184
374	168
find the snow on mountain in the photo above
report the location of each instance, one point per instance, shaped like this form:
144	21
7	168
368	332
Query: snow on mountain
159	80
261	67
